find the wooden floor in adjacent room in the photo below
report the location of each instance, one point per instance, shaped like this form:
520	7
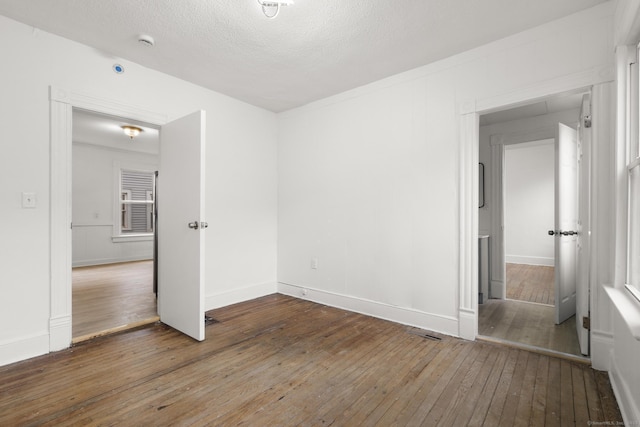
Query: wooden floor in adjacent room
528	324
532	283
282	361
107	298
527	316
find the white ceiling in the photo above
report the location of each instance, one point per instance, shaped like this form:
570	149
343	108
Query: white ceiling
104	130
313	49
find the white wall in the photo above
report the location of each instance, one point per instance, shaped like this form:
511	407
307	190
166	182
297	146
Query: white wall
93	199
529	202
508	131
241	175
368	179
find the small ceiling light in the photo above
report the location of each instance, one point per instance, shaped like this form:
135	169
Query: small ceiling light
146	40
271	4
131	131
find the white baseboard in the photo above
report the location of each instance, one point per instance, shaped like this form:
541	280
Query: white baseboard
406	316
235	296
103	261
468	328
601	345
60	333
497	290
628	409
530	260
24	348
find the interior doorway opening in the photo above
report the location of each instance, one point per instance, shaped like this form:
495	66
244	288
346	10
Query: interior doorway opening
517	147
113	225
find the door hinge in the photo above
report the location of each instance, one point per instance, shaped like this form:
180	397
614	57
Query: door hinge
586	323
587	121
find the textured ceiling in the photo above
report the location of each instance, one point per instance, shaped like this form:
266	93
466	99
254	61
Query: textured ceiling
313	49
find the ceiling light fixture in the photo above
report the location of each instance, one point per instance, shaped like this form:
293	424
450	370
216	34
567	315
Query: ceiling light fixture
271	4
131	131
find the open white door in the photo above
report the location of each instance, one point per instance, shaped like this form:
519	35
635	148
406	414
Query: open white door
584	223
566	221
181	225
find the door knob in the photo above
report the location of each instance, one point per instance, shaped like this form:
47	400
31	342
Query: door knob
195	225
564	233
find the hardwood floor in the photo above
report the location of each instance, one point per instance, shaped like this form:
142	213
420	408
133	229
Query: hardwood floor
283	361
532	283
529	324
107	298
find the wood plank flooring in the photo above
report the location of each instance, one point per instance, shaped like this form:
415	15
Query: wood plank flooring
532	283
283	361
110	297
529	324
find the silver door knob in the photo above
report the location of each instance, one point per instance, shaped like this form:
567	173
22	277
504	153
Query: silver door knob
195	225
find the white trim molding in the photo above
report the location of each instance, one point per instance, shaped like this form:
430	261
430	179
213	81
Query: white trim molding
24	348
624	398
437	323
498	288
468	243
62	102
469	112
601	345
60	330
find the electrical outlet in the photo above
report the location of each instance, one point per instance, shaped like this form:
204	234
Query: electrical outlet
314	263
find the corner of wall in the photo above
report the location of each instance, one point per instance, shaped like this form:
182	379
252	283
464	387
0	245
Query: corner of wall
234	296
405	316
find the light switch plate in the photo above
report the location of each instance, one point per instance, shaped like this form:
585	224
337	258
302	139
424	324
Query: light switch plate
28	200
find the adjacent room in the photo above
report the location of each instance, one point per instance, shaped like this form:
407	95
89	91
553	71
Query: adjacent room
294	212
113	197
518	217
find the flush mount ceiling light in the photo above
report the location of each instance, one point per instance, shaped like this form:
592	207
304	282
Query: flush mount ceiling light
273	6
131	131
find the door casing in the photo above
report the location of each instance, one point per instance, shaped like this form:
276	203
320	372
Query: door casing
62	102
469	114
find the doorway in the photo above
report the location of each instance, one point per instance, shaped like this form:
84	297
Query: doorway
529	184
181	277
113	213
519	145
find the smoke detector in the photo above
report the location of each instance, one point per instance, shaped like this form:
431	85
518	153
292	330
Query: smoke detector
146	40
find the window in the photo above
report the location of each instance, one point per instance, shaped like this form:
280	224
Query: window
633	168
137	200
125	211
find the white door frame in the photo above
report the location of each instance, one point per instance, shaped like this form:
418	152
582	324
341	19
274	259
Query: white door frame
469	115
62	103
